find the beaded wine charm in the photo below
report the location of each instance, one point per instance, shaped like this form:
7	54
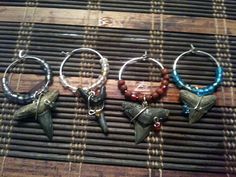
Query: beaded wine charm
43	101
197	101
95	94
144	117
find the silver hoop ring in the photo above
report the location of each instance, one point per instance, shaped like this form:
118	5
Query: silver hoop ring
134	60
199	91
29	97
101	79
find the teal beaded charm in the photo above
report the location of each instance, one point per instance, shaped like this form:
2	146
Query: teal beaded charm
197	101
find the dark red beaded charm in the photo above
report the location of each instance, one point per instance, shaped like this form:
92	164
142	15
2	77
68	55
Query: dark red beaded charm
157	126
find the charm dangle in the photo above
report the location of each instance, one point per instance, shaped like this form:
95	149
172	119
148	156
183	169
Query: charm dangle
41	110
196	106
38	104
144	117
95	103
197	101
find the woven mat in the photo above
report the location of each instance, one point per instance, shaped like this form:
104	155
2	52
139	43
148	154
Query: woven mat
119	30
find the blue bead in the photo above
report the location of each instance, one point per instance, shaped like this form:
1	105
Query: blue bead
186	109
211	88
219	71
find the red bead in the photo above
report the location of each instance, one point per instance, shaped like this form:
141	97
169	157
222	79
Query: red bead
149	98
120	83
134	97
164	82
164	88
157	126
164	71
166	77
123	88
155	96
160	91
128	94
140	97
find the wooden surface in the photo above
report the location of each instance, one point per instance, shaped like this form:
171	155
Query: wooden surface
119	30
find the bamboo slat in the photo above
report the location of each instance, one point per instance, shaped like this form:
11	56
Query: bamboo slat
119	30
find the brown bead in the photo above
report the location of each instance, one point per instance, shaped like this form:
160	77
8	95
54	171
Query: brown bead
123	88
121	82
164	82
140	97
155	96
164	71
166	77
128	94
149	98
164	88
160	91
134	97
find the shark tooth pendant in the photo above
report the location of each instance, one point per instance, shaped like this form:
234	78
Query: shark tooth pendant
42	112
96	102
144	118
196	106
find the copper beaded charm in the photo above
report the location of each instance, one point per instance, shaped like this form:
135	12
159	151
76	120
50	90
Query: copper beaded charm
144	117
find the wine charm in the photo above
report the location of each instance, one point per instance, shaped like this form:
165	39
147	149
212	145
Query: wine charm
40	103
93	95
197	101
144	117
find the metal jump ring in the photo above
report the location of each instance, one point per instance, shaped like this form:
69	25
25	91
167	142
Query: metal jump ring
133	60
101	79
29	97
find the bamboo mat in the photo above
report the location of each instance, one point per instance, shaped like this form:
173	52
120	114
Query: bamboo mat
119	30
